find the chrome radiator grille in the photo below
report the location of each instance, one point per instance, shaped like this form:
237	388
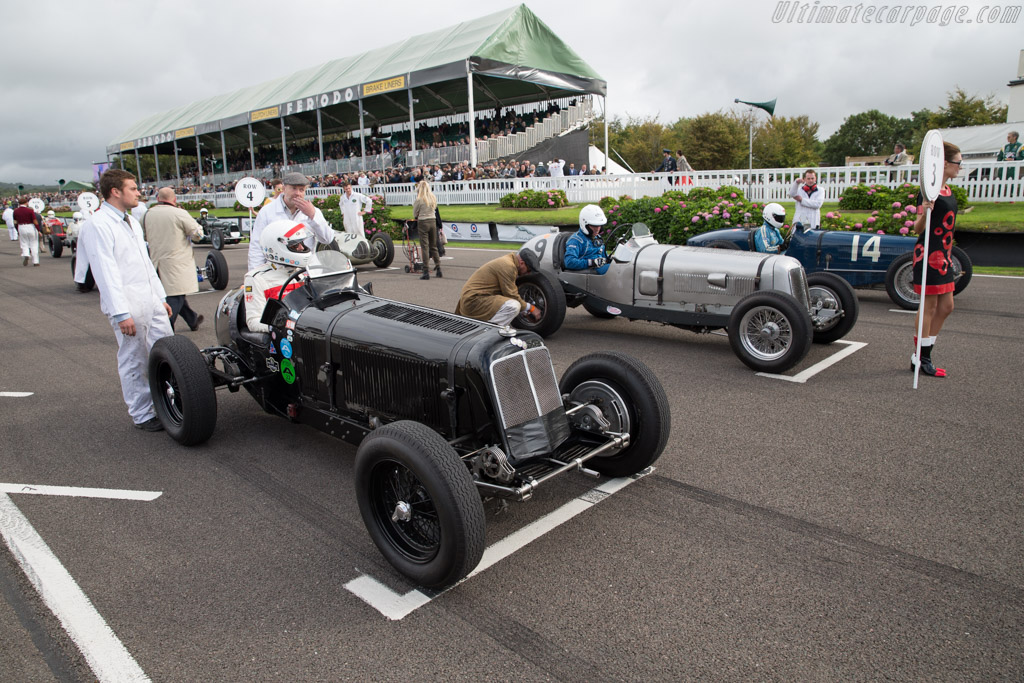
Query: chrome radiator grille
525	386
798	281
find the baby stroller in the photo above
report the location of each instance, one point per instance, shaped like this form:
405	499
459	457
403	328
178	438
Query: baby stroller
411	247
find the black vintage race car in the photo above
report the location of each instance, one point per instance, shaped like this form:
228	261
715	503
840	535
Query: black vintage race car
466	409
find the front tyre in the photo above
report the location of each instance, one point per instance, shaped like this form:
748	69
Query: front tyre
631	399
541	289
217	270
217	239
834	307
56	247
182	390
383	249
419	504
770	331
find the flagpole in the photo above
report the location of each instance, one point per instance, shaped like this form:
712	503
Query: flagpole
920	304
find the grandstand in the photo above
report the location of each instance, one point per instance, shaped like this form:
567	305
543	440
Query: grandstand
496	85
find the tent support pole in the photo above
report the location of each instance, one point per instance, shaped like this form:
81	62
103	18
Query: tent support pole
284	146
320	140
252	152
156	162
412	129
604	105
362	138
177	166
472	118
199	161
138	166
223	152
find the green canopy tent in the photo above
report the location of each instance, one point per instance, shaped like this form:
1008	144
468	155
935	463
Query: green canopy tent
502	59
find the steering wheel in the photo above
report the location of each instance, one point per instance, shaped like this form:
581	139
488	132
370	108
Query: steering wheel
293	276
610	241
789	236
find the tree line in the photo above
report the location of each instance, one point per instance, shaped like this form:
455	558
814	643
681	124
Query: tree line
719	140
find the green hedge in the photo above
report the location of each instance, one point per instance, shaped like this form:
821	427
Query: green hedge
535	199
892	209
378	220
676	216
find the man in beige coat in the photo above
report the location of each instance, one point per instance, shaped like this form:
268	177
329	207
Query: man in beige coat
490	294
169	231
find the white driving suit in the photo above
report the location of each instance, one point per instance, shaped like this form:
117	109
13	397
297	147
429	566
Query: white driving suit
350	207
277	211
12	229
808	208
263	284
129	287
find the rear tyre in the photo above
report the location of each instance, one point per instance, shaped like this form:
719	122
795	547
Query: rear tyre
831	294
383	249
963	269
899	281
89	283
770	331
541	289
182	390
630	398
217	239
217	270
419	503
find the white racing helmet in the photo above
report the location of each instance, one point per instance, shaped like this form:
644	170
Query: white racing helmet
287	242
774	215
204	211
77	215
591	214
50	214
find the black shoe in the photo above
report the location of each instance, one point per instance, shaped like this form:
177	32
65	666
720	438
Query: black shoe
927	367
199	321
425	276
150	425
437	271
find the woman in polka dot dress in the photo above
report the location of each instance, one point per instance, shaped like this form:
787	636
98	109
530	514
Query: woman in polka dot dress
939	285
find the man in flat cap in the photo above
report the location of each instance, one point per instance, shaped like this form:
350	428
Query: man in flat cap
291	204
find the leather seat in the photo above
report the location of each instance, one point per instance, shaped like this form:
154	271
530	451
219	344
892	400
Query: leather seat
558	250
261	339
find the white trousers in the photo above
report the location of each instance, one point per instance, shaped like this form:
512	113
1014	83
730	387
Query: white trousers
133	362
12	229
28	238
507	313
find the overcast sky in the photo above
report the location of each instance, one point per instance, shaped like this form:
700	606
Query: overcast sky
76	76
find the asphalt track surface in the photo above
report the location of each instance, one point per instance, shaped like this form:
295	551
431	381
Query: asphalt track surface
845	528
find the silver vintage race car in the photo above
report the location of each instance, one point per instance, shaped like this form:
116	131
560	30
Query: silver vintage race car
770	307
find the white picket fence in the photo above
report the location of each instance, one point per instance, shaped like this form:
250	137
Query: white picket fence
984	182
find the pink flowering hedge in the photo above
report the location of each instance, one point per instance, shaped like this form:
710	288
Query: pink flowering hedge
676	216
535	199
377	220
892	209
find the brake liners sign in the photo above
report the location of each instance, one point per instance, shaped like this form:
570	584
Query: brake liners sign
263	114
386	85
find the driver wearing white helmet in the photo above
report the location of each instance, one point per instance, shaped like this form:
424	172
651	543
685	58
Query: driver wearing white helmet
585	249
286	245
768	238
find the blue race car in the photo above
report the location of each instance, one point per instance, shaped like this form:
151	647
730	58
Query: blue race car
863	259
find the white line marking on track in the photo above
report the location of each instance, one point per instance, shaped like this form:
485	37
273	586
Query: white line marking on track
15	394
106	655
397	606
80	492
802	377
902	310
1005	277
